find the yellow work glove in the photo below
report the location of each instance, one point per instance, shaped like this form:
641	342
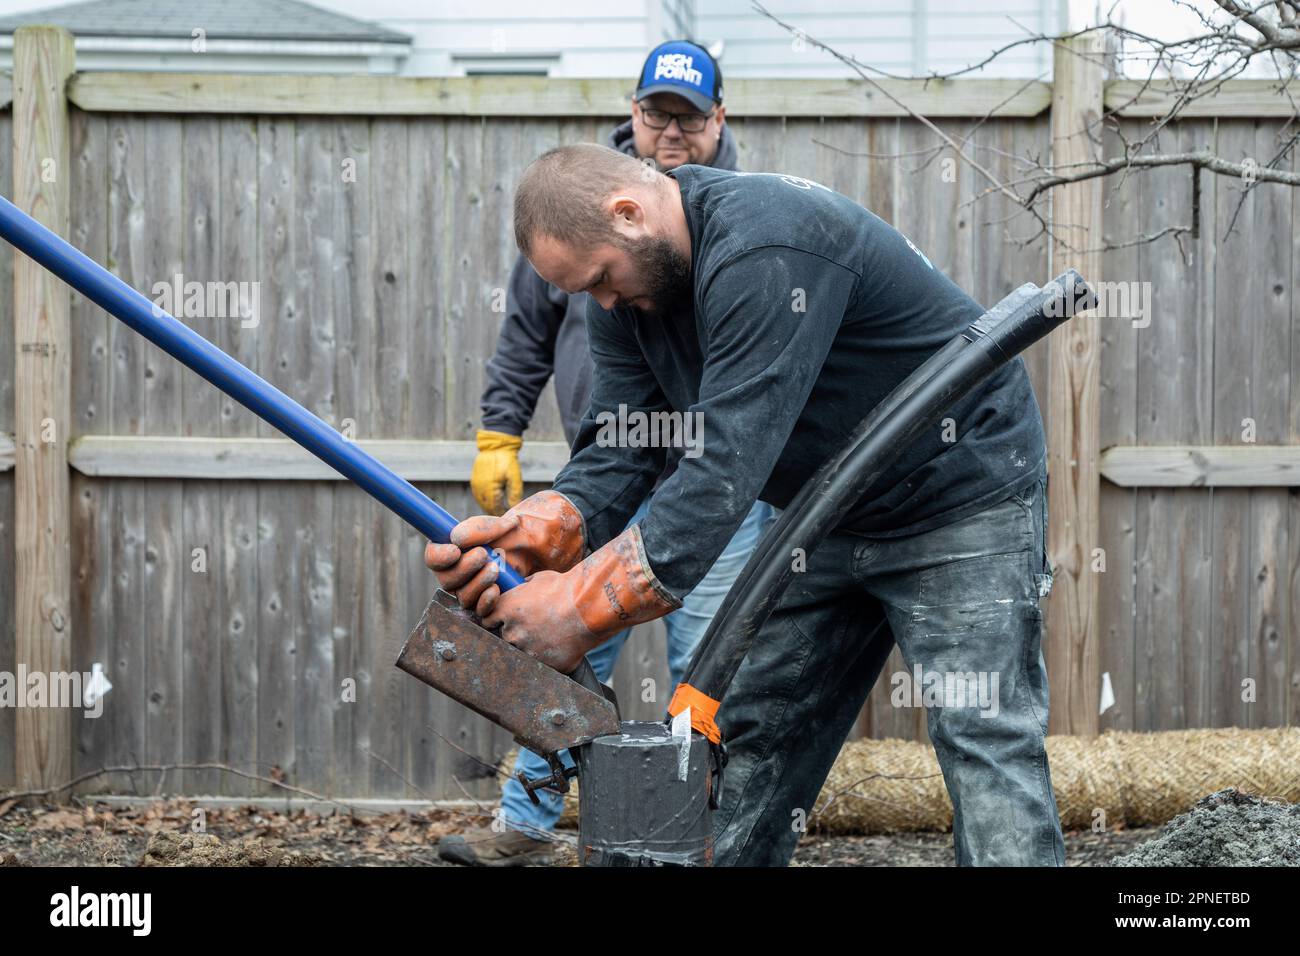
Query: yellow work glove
495	479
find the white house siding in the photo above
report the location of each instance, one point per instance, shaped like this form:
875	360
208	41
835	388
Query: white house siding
610	37
910	37
575	38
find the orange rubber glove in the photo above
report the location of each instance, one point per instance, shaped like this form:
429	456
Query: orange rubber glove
558	618
544	532
496	480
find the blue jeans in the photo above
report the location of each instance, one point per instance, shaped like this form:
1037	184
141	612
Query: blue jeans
962	603
686	626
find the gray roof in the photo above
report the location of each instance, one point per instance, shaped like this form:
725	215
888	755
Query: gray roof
221	19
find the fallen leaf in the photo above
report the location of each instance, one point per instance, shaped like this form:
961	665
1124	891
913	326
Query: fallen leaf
59	820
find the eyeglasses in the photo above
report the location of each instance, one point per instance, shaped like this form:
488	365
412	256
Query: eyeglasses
686	122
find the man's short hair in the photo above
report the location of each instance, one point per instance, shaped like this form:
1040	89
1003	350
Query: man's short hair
562	194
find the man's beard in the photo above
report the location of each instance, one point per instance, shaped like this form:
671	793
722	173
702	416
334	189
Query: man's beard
665	272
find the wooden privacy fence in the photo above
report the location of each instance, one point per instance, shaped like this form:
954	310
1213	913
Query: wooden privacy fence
350	238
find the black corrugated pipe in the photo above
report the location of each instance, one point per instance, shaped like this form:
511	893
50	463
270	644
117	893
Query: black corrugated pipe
1015	323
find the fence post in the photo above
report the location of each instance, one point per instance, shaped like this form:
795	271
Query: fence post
1073	439
43	61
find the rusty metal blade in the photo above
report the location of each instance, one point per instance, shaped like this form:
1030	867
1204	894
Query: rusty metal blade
545	710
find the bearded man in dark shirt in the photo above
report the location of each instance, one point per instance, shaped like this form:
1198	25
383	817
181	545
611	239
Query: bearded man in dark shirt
779	313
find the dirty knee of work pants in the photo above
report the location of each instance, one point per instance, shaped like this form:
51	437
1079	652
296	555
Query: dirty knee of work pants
972	640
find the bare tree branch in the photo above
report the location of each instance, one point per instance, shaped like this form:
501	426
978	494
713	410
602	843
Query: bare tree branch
1235	34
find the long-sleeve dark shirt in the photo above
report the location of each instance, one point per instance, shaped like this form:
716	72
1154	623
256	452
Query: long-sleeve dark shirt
808	310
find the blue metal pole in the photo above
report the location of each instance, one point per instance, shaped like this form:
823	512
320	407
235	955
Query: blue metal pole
259	396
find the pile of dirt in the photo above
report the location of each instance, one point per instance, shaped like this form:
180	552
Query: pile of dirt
167	848
1227	828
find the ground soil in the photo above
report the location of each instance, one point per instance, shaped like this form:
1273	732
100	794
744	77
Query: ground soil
162	834
1082	848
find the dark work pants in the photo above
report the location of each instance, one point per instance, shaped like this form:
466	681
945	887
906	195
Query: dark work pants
962	603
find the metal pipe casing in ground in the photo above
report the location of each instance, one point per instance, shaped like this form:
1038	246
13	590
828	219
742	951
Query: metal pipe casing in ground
644	799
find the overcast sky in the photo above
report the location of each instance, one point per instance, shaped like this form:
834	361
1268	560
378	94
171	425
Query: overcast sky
1158	18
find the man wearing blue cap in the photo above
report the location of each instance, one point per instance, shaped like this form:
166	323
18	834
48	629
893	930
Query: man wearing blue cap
677	118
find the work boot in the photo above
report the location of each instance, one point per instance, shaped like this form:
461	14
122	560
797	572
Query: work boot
485	847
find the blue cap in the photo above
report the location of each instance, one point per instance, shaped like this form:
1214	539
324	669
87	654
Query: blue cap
684	68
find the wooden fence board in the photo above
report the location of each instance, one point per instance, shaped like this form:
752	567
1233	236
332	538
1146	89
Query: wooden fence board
7	647
43	60
1269	306
384	759
277	569
7	662
235	630
317	257
1291	579
161	241
123	502
92	566
1168	624
1119	362
299	93
1233	404
199	554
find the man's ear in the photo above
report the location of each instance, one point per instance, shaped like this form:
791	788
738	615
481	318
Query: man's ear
629	215
721	114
